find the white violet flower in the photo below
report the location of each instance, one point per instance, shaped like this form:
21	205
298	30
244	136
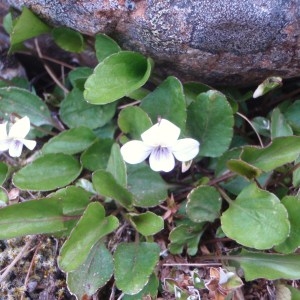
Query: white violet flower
162	144
15	139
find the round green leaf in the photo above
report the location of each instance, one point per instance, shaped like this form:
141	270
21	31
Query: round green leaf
279	125
13	99
147	186
134	263
210	121
97	155
116	76
166	101
292	204
204	204
70	141
3	197
134	120
47	173
105	46
292	115
92	274
256	219
147	223
68	39
92	226
75	111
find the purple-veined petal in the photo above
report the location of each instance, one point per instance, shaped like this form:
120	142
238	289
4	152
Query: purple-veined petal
20	129
185	149
134	152
162	159
3	131
15	148
30	144
163	133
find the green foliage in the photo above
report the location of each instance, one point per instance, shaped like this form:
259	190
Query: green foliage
75	183
68	39
117	76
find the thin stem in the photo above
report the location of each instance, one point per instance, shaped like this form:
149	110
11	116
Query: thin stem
224	195
48	69
249	122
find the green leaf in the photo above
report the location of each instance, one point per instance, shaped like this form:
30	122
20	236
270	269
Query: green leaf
97	155
296	174
92	226
3	172
292	204
8	23
116	165
106	185
147	223
105	46
279	125
70	141
134	120
116	76
12	100
166	101
92	274
204	204
27	26
68	39
47	173
269	266
256	213
193	89
210	121
244	169
78	77
149	289
147	186
186	235
31	217
281	151
134	263
292	115
75	111
261	125
4	199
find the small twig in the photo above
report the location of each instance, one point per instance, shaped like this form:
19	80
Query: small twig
48	69
223	194
112	294
22	253
129	104
249	122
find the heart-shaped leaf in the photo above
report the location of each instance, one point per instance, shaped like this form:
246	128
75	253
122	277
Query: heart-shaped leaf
47	173
134	263
204	204
116	76
92	226
210	121
166	101
105	46
92	274
256	213
147	223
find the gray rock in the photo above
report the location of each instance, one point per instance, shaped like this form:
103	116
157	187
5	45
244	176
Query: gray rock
219	42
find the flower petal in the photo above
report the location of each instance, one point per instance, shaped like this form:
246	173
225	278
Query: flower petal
20	129
30	144
135	152
4	144
15	148
3	131
161	159
164	134
185	149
